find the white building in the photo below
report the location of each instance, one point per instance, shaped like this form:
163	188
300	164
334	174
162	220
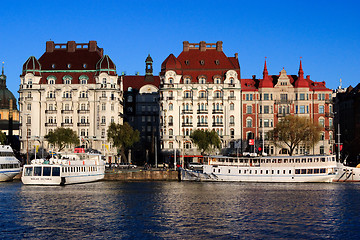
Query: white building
199	89
71	85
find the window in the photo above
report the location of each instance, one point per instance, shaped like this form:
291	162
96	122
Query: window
232	119
112	119
266	109
66	107
249	109
29	107
321	109
266	123
283	96
302	96
322	122
171	132
51	94
28	120
202	94
187	80
104	81
171	107
217	94
67	79
266	96
103	119
249	122
248	97
302	109
103	106
202	80
231	106
67	94
83	94
103	94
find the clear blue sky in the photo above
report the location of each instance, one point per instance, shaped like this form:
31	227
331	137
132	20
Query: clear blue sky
326	34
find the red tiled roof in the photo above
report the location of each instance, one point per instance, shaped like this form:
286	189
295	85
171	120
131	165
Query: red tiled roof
195	63
136	82
61	58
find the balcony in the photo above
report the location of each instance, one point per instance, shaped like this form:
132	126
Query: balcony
202	111
329	101
231	85
283	101
50	111
217	124
50	124
50	98
187	111
329	128
66	111
103	98
186	124
171	124
83	124
202	124
218	111
232	97
170	98
282	114
66	124
232	124
329	114
83	111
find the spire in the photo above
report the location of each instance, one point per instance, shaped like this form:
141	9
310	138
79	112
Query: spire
301	72
2	72
265	72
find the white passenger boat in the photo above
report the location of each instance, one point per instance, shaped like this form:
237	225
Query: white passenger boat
9	164
69	169
316	168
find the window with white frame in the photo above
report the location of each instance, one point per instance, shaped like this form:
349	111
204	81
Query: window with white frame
249	122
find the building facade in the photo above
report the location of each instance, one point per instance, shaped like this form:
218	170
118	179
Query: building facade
72	85
141	111
347	123
265	101
199	89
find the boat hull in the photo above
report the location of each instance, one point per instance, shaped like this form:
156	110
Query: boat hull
51	180
9	174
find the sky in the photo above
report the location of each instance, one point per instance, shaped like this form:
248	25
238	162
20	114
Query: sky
326	34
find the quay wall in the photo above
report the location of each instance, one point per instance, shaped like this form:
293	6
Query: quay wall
153	175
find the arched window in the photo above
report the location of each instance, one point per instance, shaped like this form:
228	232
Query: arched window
232	119
170	106
202	94
171	132
249	122
321	109
171	120
232	106
322	122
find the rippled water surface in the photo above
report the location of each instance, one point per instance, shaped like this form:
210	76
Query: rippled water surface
180	210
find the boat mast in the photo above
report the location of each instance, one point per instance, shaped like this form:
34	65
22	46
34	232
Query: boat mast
338	143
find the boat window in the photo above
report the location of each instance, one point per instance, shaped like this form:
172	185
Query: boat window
303	160
46	171
241	161
297	171
309	171
56	171
229	170
255	171
316	171
255	161
244	171
214	170
230	160
309	159
272	171
303	171
316	160
239	171
250	172
273	161
28	171
267	171
285	160
262	160
289	171
278	171
323	159
322	170
267	160
284	172
279	160
246	160
291	160
219	170
297	160
37	171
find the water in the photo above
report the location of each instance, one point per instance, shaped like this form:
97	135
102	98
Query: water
180	210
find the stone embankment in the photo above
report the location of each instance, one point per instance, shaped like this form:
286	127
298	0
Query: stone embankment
141	175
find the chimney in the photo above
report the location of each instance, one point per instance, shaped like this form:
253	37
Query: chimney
236	55
71	46
186	46
308	77
254	77
219	46
202	45
50	46
92	46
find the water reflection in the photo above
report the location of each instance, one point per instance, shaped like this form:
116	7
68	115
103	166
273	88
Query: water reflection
179	210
